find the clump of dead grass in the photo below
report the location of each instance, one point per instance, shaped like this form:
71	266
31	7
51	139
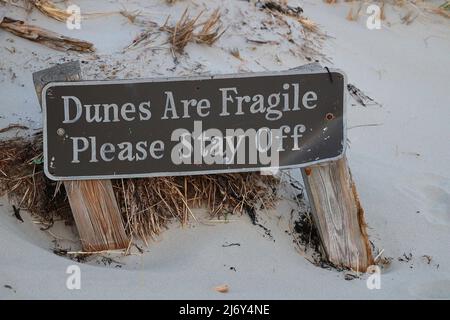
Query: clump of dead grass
184	31
211	29
147	204
23	180
150	203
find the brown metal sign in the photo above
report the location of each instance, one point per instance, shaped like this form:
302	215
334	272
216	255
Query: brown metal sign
192	125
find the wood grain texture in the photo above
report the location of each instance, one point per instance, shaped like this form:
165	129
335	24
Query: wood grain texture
93	203
96	215
44	36
338	214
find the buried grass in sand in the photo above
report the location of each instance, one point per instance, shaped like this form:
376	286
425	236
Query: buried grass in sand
147	205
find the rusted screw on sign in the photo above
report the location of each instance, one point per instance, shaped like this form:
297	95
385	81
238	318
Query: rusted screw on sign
60	132
329	116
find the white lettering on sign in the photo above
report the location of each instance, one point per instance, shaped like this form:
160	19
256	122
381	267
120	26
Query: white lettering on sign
99	129
74	110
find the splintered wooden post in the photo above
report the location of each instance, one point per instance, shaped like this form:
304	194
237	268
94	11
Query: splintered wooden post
93	203
96	215
338	214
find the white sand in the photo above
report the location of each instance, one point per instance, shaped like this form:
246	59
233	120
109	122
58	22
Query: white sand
401	166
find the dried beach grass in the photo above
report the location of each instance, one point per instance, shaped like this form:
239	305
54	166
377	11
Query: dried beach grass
147	205
211	29
443	9
183	31
138	18
309	25
23	180
44	36
48	8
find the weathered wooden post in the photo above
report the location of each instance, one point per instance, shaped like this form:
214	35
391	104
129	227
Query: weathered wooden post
93	203
338	215
336	209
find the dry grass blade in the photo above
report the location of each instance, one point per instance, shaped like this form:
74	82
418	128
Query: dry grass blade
211	29
444	9
137	18
183	31
130	15
143	38
309	24
50	9
44	36
235	53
